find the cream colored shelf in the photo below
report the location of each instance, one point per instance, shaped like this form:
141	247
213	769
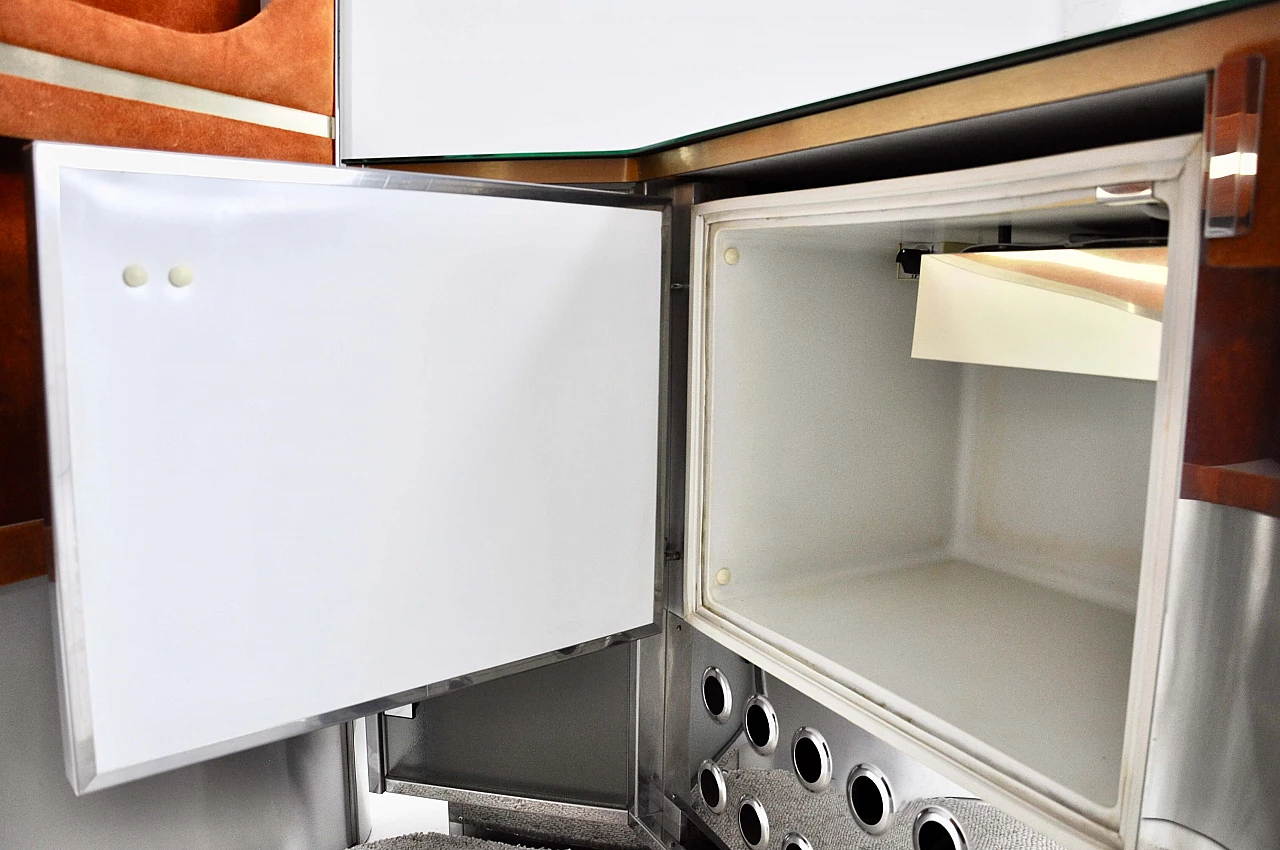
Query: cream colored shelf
1037	673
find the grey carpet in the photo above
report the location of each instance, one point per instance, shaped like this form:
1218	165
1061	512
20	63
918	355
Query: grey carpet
825	820
434	841
549	828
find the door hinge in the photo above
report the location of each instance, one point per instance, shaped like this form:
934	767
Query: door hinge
1126	194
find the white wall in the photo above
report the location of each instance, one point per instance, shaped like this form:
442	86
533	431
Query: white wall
432	78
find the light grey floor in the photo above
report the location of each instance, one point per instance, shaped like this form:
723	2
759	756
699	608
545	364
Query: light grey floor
435	841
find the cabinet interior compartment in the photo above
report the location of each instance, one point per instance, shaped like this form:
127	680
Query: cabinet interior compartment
965	537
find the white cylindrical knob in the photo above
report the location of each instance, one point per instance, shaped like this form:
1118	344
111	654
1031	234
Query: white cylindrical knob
181	275
135	275
731	256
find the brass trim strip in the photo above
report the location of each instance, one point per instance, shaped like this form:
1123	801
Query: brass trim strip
74	74
593	170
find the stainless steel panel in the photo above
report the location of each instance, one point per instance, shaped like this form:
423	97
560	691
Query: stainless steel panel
558	733
524	805
823	817
1214	766
290	795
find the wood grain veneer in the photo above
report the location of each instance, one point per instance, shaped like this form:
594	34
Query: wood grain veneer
1233	413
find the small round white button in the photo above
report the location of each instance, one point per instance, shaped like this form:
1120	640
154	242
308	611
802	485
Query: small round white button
731	256
181	275
135	275
723	576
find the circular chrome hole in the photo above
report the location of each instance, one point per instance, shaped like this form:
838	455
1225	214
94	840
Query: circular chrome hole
711	786
936	828
795	841
717	696
871	799
811	758
761	724
753	823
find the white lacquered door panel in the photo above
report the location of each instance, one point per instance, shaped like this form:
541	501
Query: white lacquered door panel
383	438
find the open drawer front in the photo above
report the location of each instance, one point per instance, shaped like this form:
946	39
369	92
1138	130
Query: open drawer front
321	438
943	506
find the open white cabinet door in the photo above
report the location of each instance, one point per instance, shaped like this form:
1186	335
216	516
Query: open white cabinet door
322	437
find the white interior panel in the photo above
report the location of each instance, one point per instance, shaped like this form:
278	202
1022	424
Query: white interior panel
384	438
970	314
436	78
967	537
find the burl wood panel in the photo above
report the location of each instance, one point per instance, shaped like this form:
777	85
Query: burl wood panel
23	551
1260	247
184	15
1233	413
23	475
1235	367
23	465
30	110
1232	487
284	55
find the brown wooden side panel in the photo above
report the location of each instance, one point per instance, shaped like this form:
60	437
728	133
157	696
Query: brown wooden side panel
284	55
184	15
1233	413
23	551
30	110
1232	487
23	467
23	460
1235	370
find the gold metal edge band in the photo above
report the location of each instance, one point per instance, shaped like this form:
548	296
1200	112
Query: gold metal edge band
1180	51
40	67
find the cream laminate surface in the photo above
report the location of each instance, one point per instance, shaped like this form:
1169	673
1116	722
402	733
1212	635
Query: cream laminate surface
1039	674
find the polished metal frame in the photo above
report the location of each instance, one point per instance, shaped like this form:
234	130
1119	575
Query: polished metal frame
771	717
749	802
889	805
795	839
944	819
714	674
722	790
806	733
47	162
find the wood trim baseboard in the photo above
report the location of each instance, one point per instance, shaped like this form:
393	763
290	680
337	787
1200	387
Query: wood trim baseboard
24	551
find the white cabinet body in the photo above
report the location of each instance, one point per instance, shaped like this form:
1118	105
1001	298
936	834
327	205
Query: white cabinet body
968	560
427	79
397	430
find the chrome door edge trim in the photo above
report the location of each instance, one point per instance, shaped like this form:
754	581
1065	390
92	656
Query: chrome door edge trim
524	805
336	124
73	74
53	155
95	781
